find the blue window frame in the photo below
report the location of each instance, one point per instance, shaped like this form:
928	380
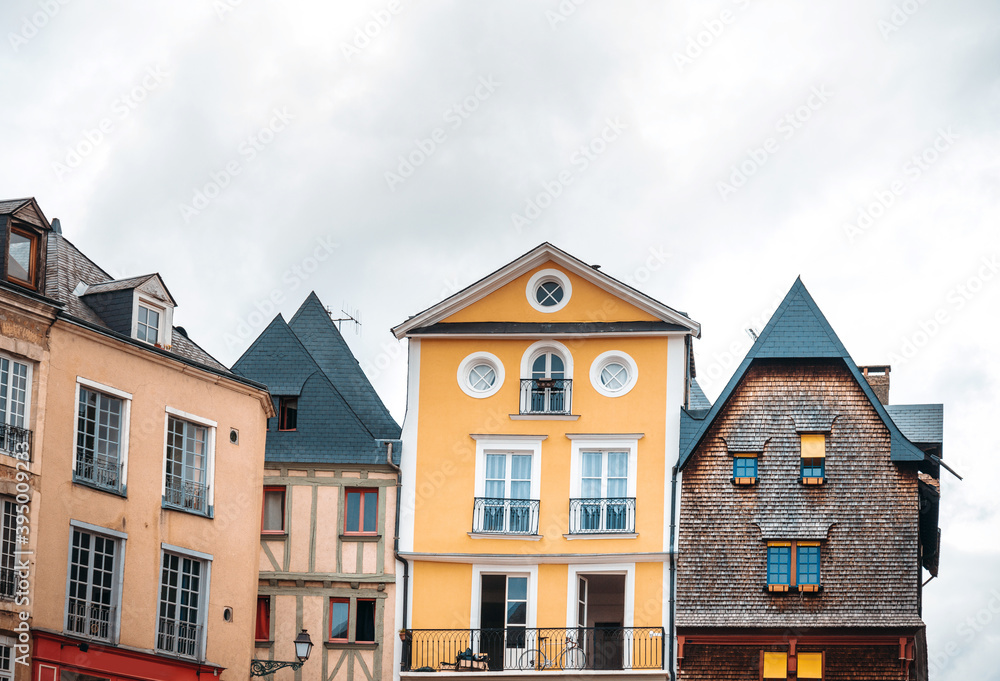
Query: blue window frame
807	565
779	564
814	468
745	467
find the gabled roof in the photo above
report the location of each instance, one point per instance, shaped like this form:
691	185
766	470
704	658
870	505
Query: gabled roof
25	209
130	283
318	333
796	330
543	253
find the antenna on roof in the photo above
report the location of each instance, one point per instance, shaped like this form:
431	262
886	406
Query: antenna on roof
752	334
354	317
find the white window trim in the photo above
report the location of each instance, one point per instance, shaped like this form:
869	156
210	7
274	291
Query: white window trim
547	345
164	334
120	543
28	386
530	571
210	459
543	276
8	642
627	442
126	420
206	558
627	569
531	444
472	360
606	358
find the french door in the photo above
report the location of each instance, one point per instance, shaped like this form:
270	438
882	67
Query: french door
508	481
603	489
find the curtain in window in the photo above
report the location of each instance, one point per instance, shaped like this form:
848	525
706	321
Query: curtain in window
496	465
520	476
262	631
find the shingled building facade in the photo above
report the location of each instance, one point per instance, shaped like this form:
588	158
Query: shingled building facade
808	510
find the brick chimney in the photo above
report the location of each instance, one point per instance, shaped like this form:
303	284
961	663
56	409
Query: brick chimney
878	379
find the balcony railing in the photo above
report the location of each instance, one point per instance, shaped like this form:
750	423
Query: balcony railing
8	578
186	495
102	474
601	516
180	638
505	516
15	441
93	620
519	648
546	395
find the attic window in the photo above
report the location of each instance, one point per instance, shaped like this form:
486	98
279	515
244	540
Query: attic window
22	256
148	326
288	413
813	450
744	469
549	290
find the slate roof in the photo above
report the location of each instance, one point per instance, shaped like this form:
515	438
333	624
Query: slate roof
308	358
920	423
66	266
698	400
10	206
546	328
796	330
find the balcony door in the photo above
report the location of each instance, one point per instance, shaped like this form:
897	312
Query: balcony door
503	619
14	391
508	481
603	491
548	374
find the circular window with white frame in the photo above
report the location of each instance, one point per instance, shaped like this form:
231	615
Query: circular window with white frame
480	375
549	290
613	373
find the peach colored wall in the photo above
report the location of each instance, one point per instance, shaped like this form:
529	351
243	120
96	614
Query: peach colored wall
231	537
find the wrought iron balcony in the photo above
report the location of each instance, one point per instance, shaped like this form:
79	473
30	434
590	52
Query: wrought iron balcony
505	516
602	516
8	578
519	648
186	495
101	474
15	441
93	620
179	638
546	395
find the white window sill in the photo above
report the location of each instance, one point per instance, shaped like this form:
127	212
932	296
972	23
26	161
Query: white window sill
498	535
603	535
544	417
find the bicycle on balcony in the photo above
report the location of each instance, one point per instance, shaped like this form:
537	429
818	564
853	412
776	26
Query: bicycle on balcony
572	656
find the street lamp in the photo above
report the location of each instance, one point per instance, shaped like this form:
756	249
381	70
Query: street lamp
303	646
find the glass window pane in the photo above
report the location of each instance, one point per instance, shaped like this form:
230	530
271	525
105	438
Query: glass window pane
353	512
617	464
19	257
338	619
371	511
365	630
517	612
274	511
538	367
520	490
591	464
520	467
517	588
496	465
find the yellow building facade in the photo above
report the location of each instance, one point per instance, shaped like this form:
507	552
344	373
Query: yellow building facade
542	410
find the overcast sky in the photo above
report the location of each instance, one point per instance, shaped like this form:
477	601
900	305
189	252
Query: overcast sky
388	153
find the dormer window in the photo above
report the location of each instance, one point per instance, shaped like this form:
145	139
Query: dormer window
22	256
148	325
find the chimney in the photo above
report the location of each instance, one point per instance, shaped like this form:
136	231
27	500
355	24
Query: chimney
56	226
878	379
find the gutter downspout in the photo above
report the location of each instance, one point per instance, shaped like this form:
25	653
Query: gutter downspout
673	566
395	541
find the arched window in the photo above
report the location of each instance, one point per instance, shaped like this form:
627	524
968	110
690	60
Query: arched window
546	379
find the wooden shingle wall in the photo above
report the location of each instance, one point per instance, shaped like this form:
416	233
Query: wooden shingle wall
742	663
865	514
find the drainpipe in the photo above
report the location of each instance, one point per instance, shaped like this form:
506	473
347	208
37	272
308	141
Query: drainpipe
395	541
673	565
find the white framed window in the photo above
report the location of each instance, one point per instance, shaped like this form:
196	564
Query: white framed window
603	474
93	582
8	548
480	375
507	486
549	290
15	407
147	325
151	320
6	658
185	577
614	373
102	429
189	463
546	379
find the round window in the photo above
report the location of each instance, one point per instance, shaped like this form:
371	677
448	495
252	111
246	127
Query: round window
549	290
613	373
480	374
